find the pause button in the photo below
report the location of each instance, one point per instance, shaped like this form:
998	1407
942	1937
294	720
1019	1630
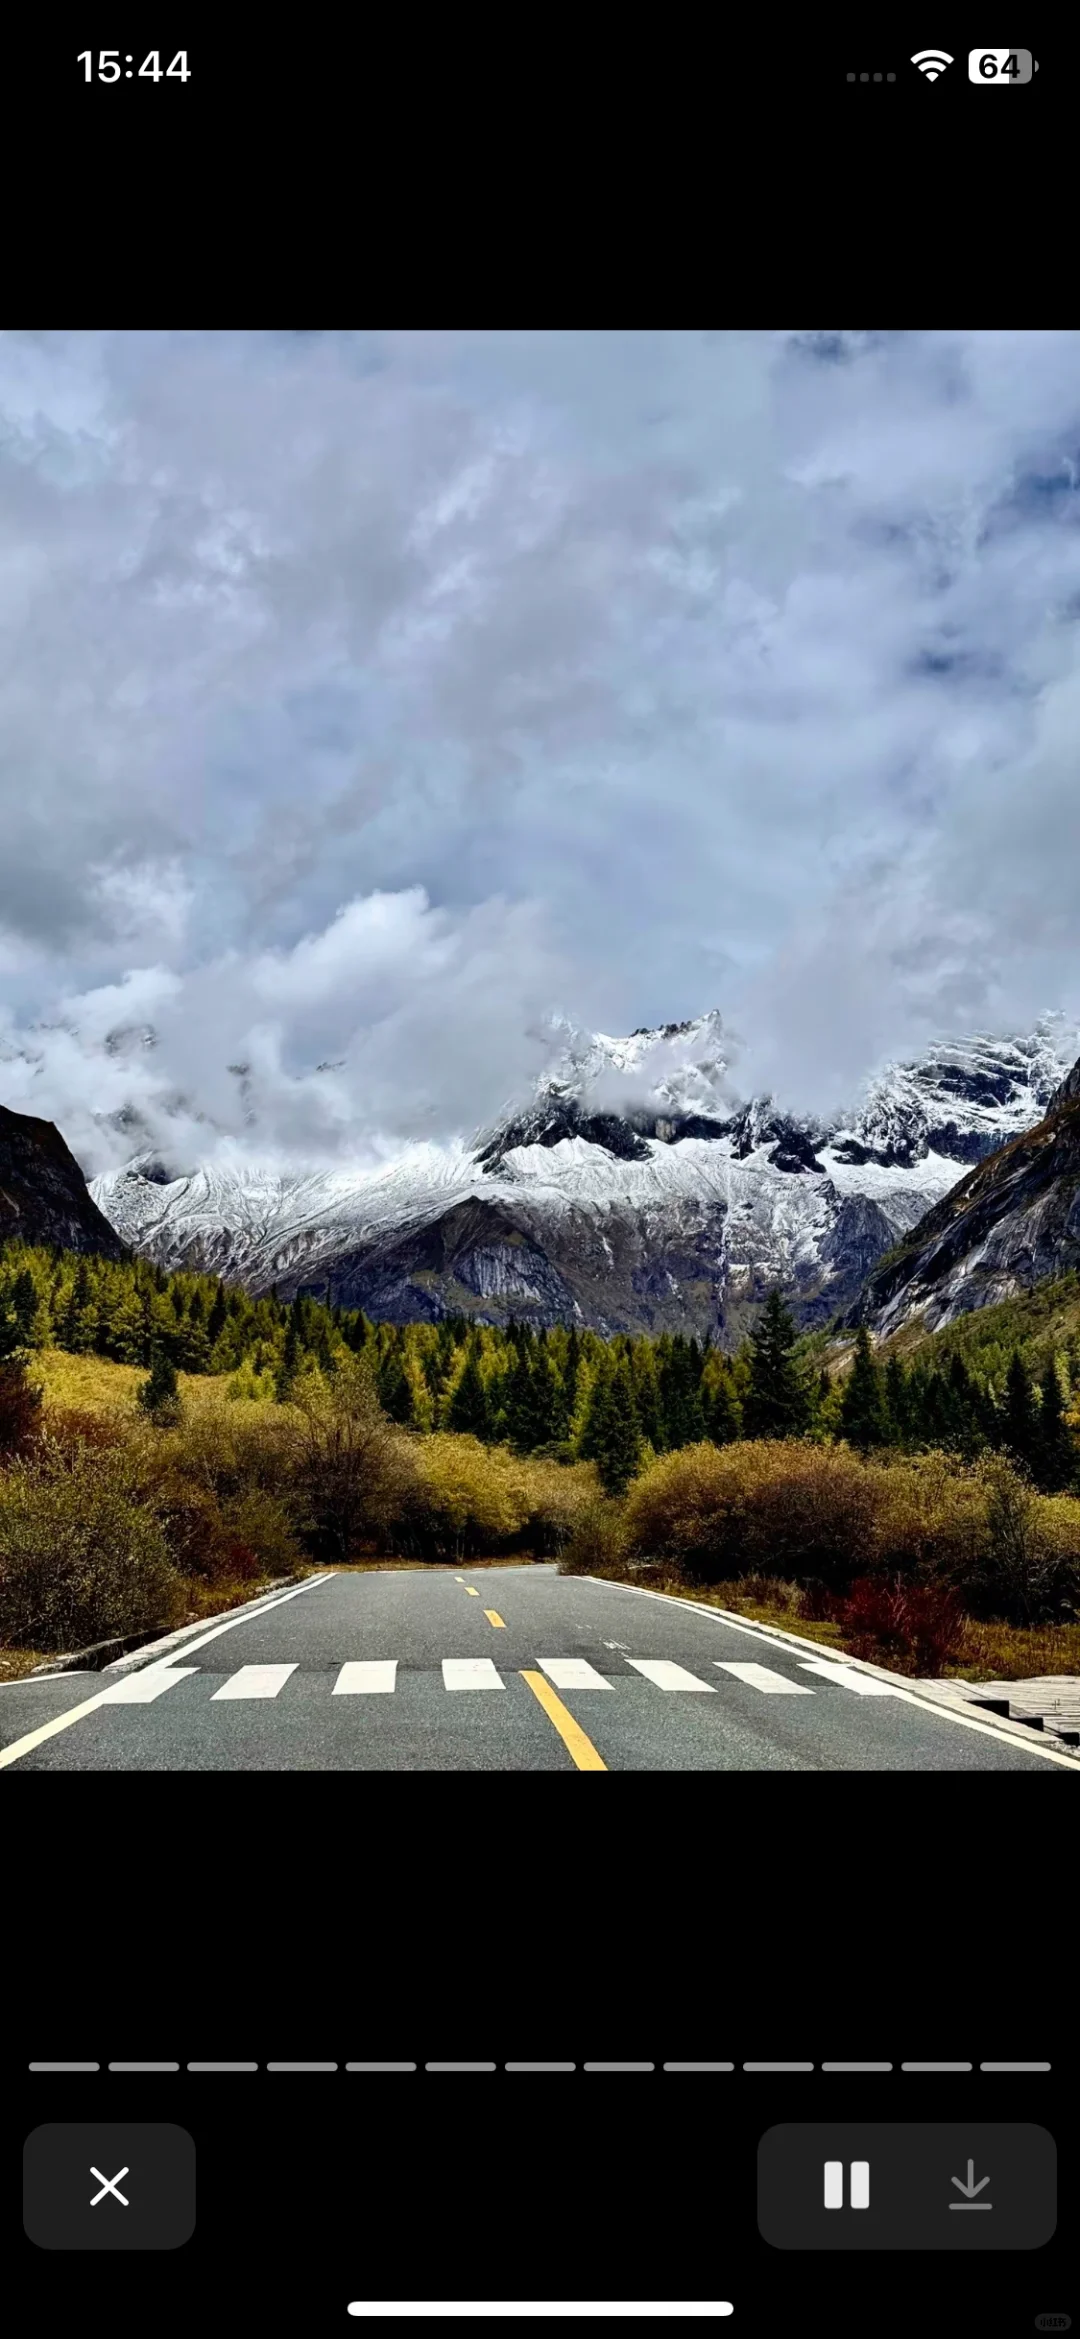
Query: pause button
859	2193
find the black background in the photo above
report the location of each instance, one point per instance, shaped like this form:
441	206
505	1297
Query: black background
280	1919
540	172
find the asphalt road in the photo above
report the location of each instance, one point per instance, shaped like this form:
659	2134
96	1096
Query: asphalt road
503	1669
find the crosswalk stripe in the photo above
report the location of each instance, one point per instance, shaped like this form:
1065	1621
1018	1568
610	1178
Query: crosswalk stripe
255	1681
762	1677
374	1676
573	1673
366	1677
845	1677
668	1676
471	1673
140	1689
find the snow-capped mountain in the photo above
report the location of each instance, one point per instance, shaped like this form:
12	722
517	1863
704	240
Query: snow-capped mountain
1010	1222
633	1191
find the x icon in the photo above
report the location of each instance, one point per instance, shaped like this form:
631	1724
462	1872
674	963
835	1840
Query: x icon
109	2185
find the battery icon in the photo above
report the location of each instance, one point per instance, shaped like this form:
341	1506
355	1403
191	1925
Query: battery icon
1000	68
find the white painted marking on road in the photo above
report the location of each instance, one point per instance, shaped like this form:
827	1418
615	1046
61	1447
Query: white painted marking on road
573	1673
788	1642
668	1676
471	1673
140	1689
255	1681
366	1677
762	1677
35	1738
845	1677
245	1615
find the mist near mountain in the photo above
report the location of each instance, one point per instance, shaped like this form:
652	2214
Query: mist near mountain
373	701
678	1211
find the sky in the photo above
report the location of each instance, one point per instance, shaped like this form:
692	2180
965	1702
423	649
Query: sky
375	705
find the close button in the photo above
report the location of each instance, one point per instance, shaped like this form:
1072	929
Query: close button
109	2185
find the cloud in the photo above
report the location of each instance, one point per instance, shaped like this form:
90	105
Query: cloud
376	696
431	1020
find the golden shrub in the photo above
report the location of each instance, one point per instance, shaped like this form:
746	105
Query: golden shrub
773	1506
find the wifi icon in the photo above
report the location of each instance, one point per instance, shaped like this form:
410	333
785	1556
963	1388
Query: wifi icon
931	62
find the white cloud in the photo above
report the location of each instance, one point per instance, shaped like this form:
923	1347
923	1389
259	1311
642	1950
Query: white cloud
372	696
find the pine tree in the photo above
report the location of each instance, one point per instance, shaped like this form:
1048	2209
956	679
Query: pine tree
290	1364
11	1340
596	1421
24	1302
395	1389
775	1405
680	1394
897	1407
862	1414
517	1399
622	1454
1055	1455
561	1409
218	1316
1019	1420
160	1396
610	1434
722	1421
545	1393
572	1377
647	1396
75	1331
469	1409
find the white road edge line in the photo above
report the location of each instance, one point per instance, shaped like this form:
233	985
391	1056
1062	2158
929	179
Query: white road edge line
33	1738
926	1705
230	1622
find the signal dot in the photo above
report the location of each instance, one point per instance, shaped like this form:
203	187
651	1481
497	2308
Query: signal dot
890	77
877	76
851	76
864	77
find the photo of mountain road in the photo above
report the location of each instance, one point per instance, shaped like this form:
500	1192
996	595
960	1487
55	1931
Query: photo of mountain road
540	1050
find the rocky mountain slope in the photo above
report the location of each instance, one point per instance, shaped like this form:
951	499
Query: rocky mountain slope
44	1196
633	1191
1009	1223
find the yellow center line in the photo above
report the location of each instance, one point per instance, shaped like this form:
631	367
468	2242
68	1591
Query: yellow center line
580	1749
472	1591
493	1617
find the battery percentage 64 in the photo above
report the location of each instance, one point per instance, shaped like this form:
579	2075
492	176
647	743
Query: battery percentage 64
1000	68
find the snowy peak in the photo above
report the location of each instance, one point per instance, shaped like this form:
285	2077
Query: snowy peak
633	1189
962	1099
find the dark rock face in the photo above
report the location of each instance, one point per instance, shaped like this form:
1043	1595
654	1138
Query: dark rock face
1012	1221
1070	1089
961	1144
491	1261
474	1260
795	1152
560	1118
43	1196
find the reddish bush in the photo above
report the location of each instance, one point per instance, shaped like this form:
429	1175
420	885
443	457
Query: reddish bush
914	1628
